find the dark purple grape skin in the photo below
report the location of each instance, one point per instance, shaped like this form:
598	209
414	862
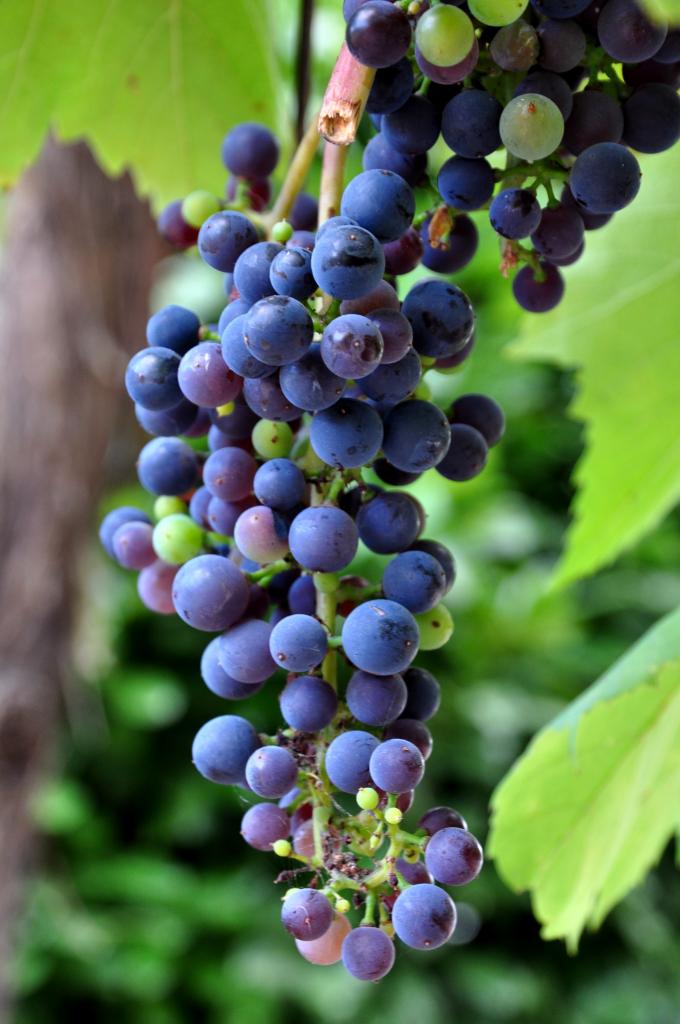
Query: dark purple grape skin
380	154
559	233
167	465
424	694
453	856
605	178
388	523
243	652
302	596
414	128
151	378
307	914
443	556
347	435
413	730
456	251
626	34
403	255
563	44
515	213
416	580
396	766
380	637
441	317
173	327
391	88
376	700
393	382
347	760
391	475
264	824
591	221
304	212
271	771
117	517
219	681
652	71
323	539
438	818
167	422
266	399
352	346
210	593
573	257
132	545
560	8
595	117
368	954
381	202
223	237
466	456
222	747
378	34
308	703
538	296
414	874
250	151
470	123
465	184
652	119
396	331
424	916
482	413
415	437
174	229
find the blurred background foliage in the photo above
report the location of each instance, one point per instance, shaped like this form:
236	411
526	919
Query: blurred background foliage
150	909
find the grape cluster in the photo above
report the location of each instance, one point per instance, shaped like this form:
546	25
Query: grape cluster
312	395
540	104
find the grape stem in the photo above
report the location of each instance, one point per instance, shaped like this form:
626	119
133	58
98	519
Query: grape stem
295	176
345	99
332	181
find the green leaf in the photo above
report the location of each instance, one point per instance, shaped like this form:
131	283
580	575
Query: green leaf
663	10
151	86
618	327
590	806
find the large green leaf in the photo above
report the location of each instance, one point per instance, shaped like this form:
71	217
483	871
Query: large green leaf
618	325
152	86
590	806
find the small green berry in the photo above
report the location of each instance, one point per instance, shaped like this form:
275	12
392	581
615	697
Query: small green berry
198	206
367	798
436	627
272	439
393	816
167	505
177	538
282	231
282	848
342	905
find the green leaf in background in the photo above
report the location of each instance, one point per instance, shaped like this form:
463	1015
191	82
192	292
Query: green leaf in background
663	10
590	806
152	86
618	325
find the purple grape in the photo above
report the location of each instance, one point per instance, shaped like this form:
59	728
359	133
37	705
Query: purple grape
348	434
559	233
396	766
151	378
222	747
438	818
424	694
210	593
263	824
538	294
351	346
415	437
389	522
414	579
347	760
271	771
403	255
266	399
261	534
381	202
368	954
378	34
278	330
412	730
466	456
323	539
482	413
596	117
380	637
308	703
470	123
441	317
251	273
250	151
229	473
173	327
515	213
304	212
453	856
375	700
307	914
298	643
167	465
217	680
132	547
154	586
309	384
424	916
243	652
414	128
223	237
116	518
396	331
379	154
456	251
394	382
627	34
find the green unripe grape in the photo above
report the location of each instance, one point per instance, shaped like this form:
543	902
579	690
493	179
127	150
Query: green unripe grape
367	798
282	231
497	12
272	439
444	35
198	206
531	127
436	627
167	505
393	816
342	905
177	538
282	848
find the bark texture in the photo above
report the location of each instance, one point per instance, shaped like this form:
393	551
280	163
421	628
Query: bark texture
76	270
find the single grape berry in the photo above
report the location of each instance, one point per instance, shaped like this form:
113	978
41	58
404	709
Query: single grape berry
453	856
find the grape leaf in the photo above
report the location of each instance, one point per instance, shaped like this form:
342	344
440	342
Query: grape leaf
151	86
590	806
618	326
663	10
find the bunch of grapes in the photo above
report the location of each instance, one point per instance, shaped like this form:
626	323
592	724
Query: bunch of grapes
562	89
272	426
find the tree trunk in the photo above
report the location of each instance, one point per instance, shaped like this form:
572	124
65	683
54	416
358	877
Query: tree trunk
76	272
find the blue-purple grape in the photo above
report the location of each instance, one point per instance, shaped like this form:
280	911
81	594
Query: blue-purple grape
222	747
380	637
347	760
308	703
424	916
